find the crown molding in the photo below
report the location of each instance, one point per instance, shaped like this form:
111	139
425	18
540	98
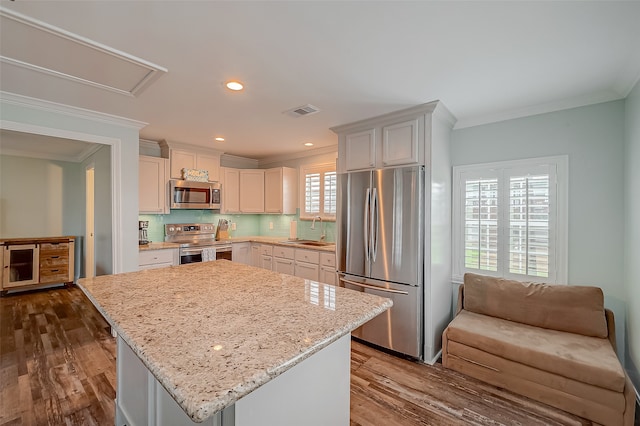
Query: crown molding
238	162
295	155
9	98
580	101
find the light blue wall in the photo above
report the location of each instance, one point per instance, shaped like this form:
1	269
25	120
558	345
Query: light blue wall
52	120
40	198
593	139
632	232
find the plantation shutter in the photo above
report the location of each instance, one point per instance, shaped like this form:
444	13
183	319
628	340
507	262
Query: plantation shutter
320	191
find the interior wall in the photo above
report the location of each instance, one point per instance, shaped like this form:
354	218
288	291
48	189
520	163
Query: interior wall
39	198
593	138
632	232
101	161
59	120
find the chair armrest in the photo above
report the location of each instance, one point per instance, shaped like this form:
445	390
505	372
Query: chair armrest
611	329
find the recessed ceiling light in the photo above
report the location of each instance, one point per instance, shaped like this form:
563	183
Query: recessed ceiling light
220	139
234	85
308	144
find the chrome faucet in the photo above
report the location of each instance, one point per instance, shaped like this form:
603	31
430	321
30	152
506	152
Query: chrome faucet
313	226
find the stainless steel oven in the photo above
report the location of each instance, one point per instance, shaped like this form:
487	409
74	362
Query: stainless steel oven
191	254
198	242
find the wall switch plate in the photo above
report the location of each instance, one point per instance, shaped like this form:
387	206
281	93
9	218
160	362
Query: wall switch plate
270	225
233	226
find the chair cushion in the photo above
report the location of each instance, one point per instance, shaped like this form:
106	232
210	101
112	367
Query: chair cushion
582	358
575	309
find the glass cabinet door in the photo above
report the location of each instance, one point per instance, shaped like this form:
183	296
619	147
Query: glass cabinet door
21	265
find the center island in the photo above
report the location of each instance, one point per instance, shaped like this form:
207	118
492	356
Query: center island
222	343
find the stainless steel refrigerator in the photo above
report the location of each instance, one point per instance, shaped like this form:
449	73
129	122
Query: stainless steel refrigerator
381	251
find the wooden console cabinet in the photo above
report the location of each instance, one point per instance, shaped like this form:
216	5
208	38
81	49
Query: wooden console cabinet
32	262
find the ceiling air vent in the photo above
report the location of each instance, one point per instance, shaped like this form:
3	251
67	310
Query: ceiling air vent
303	110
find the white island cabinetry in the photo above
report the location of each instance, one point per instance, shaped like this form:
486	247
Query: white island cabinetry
256	368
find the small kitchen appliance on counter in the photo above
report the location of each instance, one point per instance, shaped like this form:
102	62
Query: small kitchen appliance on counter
143	225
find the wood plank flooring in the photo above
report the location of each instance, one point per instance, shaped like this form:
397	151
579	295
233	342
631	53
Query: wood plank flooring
57	360
57	367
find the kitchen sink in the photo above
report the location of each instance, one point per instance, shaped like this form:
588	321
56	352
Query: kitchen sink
313	243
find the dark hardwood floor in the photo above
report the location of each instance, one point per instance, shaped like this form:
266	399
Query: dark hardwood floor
57	367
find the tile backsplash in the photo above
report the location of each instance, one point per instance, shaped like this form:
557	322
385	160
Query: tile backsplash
246	224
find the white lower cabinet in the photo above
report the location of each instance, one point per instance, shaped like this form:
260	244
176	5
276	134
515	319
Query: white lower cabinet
152	259
284	266
266	262
328	275
241	253
309	271
255	254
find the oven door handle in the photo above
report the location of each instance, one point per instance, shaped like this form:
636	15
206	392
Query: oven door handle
191	250
223	248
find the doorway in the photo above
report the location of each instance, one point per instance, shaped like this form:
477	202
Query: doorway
89	255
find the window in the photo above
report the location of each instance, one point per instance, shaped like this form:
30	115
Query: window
318	191
510	220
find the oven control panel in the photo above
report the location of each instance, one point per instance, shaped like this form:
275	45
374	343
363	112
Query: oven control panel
189	228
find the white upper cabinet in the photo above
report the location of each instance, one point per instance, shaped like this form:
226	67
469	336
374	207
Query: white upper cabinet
230	190
402	138
183	156
153	177
280	190
251	191
400	143
361	150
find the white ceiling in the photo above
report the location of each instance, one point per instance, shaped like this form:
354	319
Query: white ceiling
486	61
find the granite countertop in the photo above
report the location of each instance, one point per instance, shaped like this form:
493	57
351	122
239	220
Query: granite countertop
331	247
158	246
212	332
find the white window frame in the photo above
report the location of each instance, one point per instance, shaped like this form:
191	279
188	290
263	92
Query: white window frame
321	168
558	272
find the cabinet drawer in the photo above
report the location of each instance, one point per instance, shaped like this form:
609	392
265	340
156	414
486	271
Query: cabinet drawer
328	259
266	250
54	274
284	252
54	260
53	248
151	257
308	256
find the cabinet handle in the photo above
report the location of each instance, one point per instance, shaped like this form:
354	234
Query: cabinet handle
55	257
55	270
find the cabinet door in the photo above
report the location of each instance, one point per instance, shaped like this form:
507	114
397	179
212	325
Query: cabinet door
266	262
230	191
152	185
252	191
273	190
284	266
400	143
361	150
181	160
307	270
210	163
327	275
255	255
241	253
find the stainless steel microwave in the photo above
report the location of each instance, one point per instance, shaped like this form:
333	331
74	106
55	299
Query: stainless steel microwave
186	194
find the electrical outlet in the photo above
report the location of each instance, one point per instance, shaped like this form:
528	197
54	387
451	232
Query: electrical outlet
270	225
233	226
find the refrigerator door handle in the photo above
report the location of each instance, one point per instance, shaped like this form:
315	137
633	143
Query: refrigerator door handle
367	213
374	224
375	287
